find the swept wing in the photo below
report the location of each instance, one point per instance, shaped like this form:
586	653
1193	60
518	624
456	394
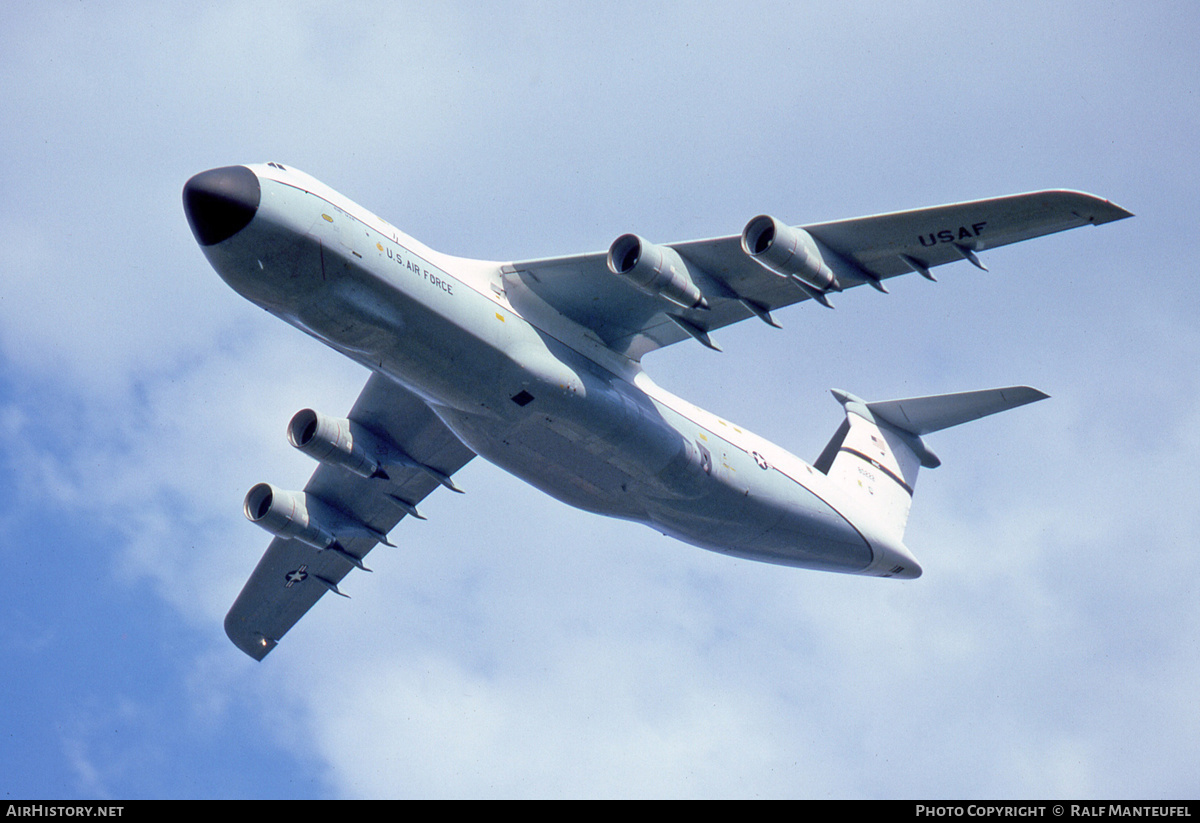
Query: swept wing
293	575
862	250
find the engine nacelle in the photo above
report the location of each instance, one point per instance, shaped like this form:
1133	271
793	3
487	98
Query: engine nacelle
788	252
285	514
334	441
656	270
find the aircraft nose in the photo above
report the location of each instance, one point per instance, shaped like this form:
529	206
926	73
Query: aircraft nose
221	202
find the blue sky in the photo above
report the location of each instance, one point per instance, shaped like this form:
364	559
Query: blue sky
511	646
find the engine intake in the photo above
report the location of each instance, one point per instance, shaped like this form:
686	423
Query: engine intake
788	252
285	514
655	270
332	440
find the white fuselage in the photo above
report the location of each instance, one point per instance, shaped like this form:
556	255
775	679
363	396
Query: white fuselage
533	392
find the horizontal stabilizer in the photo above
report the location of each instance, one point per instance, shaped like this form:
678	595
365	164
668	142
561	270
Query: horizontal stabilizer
922	415
877	451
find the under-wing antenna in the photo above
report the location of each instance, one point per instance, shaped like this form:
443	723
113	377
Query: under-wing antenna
760	311
919	267
849	268
404	504
814	293
337	549
872	279
969	254
357	529
695	331
329	584
403	459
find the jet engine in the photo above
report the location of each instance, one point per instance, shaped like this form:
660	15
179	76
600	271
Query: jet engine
656	270
334	441
285	514
788	252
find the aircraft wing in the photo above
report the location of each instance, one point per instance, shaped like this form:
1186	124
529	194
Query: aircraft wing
292	575
861	250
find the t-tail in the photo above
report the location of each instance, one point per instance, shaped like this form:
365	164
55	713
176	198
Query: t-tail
877	451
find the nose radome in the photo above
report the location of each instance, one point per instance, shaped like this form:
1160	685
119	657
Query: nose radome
221	202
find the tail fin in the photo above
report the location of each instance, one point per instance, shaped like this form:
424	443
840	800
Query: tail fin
877	450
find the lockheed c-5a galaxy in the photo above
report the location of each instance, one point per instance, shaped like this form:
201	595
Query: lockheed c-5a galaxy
535	365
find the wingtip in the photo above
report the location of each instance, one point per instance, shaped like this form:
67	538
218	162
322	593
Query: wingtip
1094	209
1116	213
1030	394
1106	211
253	644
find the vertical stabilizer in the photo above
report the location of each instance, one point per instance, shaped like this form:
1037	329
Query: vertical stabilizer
877	451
